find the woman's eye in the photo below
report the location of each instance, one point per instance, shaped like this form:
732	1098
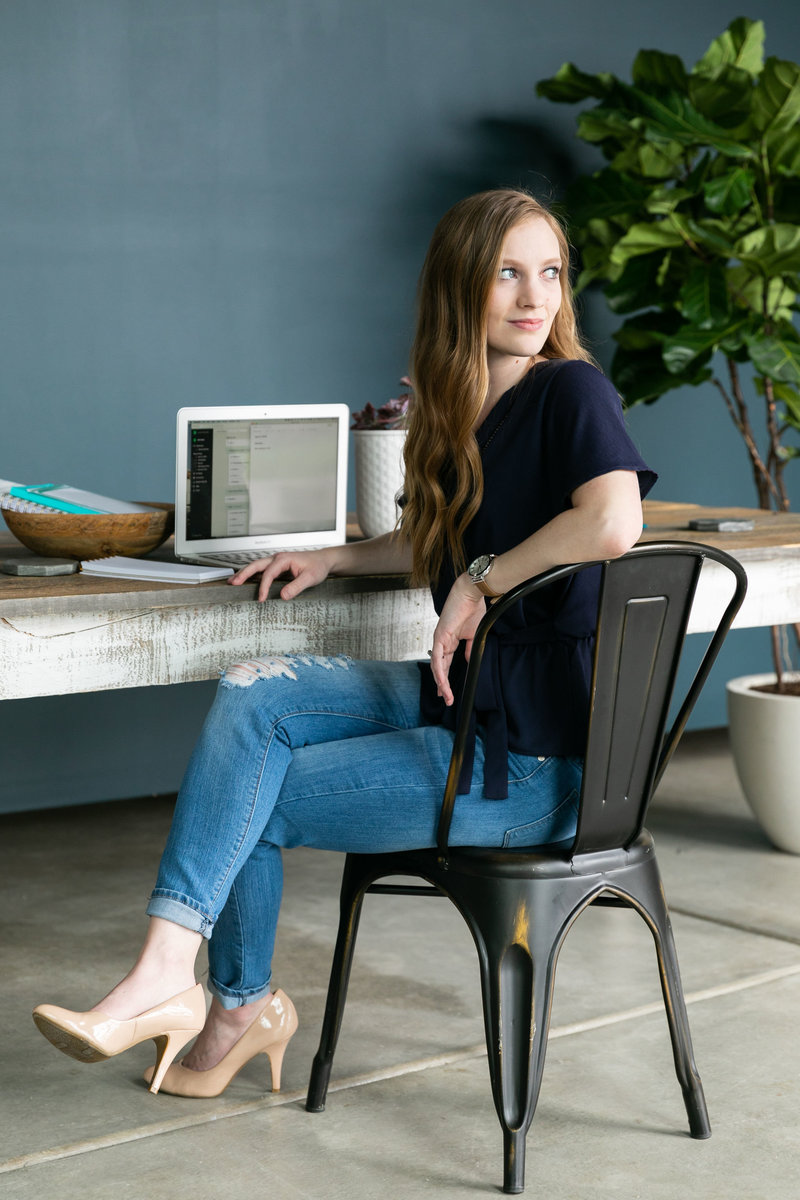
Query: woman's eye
508	273
552	272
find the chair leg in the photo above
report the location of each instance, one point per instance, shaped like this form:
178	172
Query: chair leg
675	1005
682	1051
351	898
517	948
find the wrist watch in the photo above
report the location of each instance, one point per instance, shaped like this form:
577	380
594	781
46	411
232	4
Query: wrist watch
478	571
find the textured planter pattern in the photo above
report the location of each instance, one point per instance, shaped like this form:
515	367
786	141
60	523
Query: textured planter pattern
765	741
379	478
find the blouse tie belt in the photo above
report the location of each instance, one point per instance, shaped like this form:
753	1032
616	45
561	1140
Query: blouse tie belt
489	709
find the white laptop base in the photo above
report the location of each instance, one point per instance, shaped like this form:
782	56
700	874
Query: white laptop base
252	480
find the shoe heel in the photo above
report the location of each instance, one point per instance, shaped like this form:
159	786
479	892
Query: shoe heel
168	1046
275	1055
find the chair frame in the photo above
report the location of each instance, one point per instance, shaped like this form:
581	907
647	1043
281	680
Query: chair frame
519	904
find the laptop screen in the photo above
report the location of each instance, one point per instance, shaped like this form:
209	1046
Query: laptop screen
248	478
261	477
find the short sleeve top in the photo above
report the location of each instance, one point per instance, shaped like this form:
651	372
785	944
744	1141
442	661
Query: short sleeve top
560	427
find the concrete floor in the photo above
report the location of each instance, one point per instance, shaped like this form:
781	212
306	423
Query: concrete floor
410	1112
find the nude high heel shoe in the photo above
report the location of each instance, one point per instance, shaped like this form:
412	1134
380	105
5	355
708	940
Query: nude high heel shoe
269	1034
93	1036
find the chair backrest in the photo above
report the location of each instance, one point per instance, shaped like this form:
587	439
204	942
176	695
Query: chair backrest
646	598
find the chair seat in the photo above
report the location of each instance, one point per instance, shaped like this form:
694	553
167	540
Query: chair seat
554	861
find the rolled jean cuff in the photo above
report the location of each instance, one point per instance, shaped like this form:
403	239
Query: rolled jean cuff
180	913
229	998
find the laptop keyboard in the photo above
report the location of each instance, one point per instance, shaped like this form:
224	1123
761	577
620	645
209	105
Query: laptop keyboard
241	559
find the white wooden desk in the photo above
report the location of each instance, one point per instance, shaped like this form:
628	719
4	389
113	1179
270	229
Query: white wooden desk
72	633
769	553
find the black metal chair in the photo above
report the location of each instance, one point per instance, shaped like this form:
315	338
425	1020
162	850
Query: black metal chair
519	904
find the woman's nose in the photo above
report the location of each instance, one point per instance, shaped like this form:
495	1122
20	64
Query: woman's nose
530	294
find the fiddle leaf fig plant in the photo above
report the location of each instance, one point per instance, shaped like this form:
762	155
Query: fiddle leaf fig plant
692	231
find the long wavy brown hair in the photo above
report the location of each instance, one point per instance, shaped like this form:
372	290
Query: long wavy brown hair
450	374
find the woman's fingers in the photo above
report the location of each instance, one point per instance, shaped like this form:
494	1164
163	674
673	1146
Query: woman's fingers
251	568
307	568
441	658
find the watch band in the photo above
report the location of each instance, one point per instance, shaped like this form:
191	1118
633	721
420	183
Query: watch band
484	588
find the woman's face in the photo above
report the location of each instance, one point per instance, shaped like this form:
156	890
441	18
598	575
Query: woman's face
526	294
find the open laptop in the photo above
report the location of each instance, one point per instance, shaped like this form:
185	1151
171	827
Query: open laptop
255	479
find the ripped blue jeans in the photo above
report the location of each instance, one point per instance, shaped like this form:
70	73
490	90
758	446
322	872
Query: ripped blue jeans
331	753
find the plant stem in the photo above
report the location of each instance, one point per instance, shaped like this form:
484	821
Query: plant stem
768	488
775	463
740	417
777	658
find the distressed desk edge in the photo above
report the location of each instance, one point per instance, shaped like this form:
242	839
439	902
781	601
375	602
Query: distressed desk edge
112	598
775	535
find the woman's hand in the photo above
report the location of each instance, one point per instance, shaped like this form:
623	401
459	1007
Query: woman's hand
461	616
306	567
383	555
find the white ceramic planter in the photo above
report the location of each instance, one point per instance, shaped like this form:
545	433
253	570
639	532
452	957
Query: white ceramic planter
378	455
765	741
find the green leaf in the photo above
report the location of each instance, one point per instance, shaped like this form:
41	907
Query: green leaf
704	297
650	160
747	290
607	194
734	346
569	85
777	357
773	249
783	151
647	329
731	192
641	377
662	274
660	161
789	397
776	100
674	117
601	233
741	45
665	199
651	328
690	347
635	286
725	96
599	124
711	235
659	71
646	238
588	276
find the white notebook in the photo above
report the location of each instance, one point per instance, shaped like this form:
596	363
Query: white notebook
152	570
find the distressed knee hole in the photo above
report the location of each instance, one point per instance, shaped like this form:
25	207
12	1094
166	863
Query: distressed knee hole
245	674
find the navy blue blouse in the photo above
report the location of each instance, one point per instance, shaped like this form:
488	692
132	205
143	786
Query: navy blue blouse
561	426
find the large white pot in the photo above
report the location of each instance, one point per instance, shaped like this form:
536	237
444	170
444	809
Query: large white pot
765	741
379	478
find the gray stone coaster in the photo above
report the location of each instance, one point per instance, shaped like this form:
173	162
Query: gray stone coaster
38	566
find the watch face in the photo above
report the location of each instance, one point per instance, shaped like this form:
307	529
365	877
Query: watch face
479	565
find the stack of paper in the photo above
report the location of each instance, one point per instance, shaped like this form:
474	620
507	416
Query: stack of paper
152	570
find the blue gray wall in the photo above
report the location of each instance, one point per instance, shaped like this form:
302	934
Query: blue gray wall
227	201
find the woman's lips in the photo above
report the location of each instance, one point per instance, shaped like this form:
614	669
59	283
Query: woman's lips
530	326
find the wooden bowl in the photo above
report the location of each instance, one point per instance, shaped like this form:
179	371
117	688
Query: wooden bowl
92	535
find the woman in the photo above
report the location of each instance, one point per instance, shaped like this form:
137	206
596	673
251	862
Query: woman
516	460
